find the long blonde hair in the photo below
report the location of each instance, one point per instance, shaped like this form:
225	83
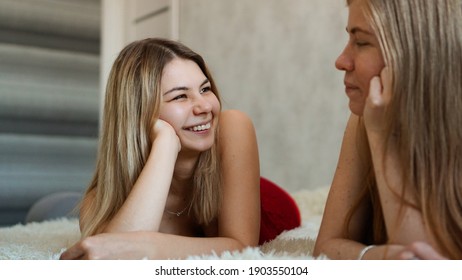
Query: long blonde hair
131	108
421	41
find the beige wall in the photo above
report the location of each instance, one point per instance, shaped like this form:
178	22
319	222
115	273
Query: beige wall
274	60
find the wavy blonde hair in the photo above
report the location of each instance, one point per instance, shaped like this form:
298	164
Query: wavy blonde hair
421	41
131	108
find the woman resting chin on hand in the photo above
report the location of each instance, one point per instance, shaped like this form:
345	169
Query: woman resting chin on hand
396	192
175	175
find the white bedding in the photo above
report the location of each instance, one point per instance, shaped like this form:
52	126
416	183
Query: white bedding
47	240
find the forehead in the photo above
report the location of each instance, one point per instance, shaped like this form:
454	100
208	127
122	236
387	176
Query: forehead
356	15
181	69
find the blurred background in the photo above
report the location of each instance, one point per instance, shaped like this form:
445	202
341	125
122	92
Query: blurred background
273	59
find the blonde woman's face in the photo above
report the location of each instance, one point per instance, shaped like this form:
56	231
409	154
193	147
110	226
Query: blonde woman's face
189	105
361	58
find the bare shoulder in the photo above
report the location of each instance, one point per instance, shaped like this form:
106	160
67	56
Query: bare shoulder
237	132
232	120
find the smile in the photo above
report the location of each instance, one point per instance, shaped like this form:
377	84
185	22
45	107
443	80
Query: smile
201	127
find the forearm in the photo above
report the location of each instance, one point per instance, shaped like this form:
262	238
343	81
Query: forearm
339	249
404	222
340	227
167	246
388	178
346	249
144	206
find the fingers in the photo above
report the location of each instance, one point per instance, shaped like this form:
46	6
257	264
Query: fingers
164	128
375	98
380	89
377	102
386	81
424	251
420	251
73	253
160	124
407	255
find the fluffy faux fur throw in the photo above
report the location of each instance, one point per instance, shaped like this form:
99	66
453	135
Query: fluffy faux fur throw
47	240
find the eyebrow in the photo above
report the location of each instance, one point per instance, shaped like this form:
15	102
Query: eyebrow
355	30
184	88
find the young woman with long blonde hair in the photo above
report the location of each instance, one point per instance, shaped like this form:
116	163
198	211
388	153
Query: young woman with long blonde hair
397	190
175	175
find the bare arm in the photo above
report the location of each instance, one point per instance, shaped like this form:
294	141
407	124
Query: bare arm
240	215
238	222
345	190
402	232
332	241
403	227
146	245
143	208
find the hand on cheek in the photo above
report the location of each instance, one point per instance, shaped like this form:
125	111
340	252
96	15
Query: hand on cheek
377	102
163	129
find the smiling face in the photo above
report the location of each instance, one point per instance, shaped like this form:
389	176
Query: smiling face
189	105
361	59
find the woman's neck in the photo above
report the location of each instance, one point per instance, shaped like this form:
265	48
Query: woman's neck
184	172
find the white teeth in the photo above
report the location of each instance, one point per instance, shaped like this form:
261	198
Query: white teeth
200	127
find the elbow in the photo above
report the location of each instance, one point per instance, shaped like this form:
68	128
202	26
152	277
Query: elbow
318	247
240	244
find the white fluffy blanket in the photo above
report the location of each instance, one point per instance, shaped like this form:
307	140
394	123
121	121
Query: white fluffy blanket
47	240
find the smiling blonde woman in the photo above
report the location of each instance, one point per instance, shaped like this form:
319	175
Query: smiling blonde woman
175	175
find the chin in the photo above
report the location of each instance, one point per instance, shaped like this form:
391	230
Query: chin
206	147
198	147
357	109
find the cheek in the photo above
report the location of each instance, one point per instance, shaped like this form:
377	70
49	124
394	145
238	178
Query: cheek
216	106
174	115
368	64
367	73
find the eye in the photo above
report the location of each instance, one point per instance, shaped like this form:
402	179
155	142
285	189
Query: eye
360	43
178	97
206	89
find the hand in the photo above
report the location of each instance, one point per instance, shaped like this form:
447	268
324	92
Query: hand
415	251
164	130
108	246
377	101
420	251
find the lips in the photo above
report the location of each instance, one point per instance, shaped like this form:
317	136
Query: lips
350	86
352	91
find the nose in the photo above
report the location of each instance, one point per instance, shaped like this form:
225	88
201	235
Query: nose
344	61
201	105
